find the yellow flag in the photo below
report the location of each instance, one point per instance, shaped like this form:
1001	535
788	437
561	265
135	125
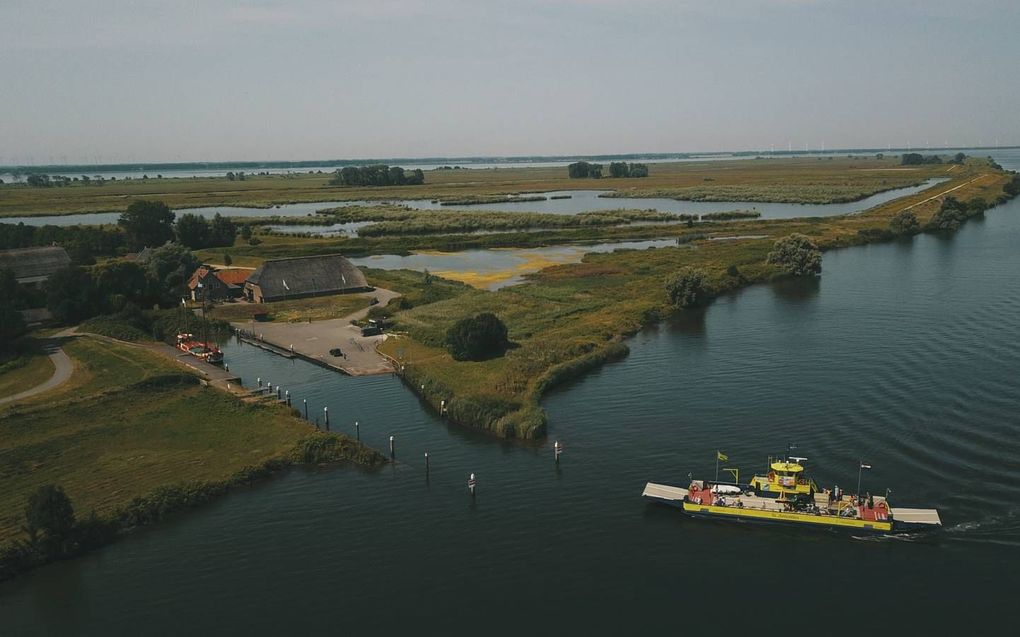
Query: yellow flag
721	456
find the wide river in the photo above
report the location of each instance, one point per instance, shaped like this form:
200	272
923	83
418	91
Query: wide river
905	355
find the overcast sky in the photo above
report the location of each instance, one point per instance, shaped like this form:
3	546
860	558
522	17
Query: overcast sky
183	80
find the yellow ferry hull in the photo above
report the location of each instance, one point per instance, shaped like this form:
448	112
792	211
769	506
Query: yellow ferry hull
785	517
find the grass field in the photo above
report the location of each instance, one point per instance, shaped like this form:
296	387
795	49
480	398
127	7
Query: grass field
24	372
788	179
127	423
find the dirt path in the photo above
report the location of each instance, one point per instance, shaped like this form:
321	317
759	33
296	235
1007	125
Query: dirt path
313	341
62	368
945	192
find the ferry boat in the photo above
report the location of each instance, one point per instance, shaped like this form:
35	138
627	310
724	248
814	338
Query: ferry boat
784	494
208	352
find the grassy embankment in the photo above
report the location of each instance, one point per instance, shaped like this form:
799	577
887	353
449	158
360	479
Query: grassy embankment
572	317
800	180
25	369
133	438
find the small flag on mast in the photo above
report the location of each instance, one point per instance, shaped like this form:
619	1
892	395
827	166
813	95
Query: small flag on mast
721	456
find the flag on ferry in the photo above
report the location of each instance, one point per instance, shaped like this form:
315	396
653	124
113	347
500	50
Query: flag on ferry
721	456
865	466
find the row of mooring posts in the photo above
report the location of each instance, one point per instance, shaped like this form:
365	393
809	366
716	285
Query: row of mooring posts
472	483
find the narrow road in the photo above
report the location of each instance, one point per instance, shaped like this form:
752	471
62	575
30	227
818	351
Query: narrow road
62	368
946	192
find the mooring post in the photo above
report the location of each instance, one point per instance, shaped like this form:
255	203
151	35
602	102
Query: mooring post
442	407
287	394
325	416
278	392
260	382
471	485
557	450
357	430
426	463
392	450
226	367
304	401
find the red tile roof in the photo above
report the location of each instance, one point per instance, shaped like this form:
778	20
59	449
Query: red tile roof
233	276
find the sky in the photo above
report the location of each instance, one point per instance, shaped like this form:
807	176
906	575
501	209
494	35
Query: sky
103	81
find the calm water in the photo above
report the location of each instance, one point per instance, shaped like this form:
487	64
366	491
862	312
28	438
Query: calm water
500	267
580	201
905	355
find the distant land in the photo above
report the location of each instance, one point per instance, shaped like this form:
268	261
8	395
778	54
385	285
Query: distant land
467	161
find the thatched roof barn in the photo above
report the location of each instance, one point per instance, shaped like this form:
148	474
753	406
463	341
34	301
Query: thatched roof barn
304	276
32	266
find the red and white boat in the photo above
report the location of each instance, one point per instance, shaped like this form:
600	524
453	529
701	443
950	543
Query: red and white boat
208	352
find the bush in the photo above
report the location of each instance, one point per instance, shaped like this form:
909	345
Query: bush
904	223
49	514
950	216
478	338
1012	187
687	288
797	255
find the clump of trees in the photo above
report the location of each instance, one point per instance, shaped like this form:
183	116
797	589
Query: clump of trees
1012	187
83	243
584	170
796	255
232	176
195	231
54	532
958	158
477	338
147	224
917	159
904	223
377	175
625	170
75	293
952	213
687	288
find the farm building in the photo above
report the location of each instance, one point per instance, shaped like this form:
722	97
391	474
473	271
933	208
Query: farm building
217	285
32	266
302	277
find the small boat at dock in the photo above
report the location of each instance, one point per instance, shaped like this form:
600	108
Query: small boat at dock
784	494
204	350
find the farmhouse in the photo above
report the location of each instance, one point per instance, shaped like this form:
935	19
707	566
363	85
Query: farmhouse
32	266
217	285
302	277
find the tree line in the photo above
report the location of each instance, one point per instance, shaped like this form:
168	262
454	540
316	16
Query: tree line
377	175
619	169
917	159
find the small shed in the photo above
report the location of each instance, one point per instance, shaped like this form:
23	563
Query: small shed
301	277
32	266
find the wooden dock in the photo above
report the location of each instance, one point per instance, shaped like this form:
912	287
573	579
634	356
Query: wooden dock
269	347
